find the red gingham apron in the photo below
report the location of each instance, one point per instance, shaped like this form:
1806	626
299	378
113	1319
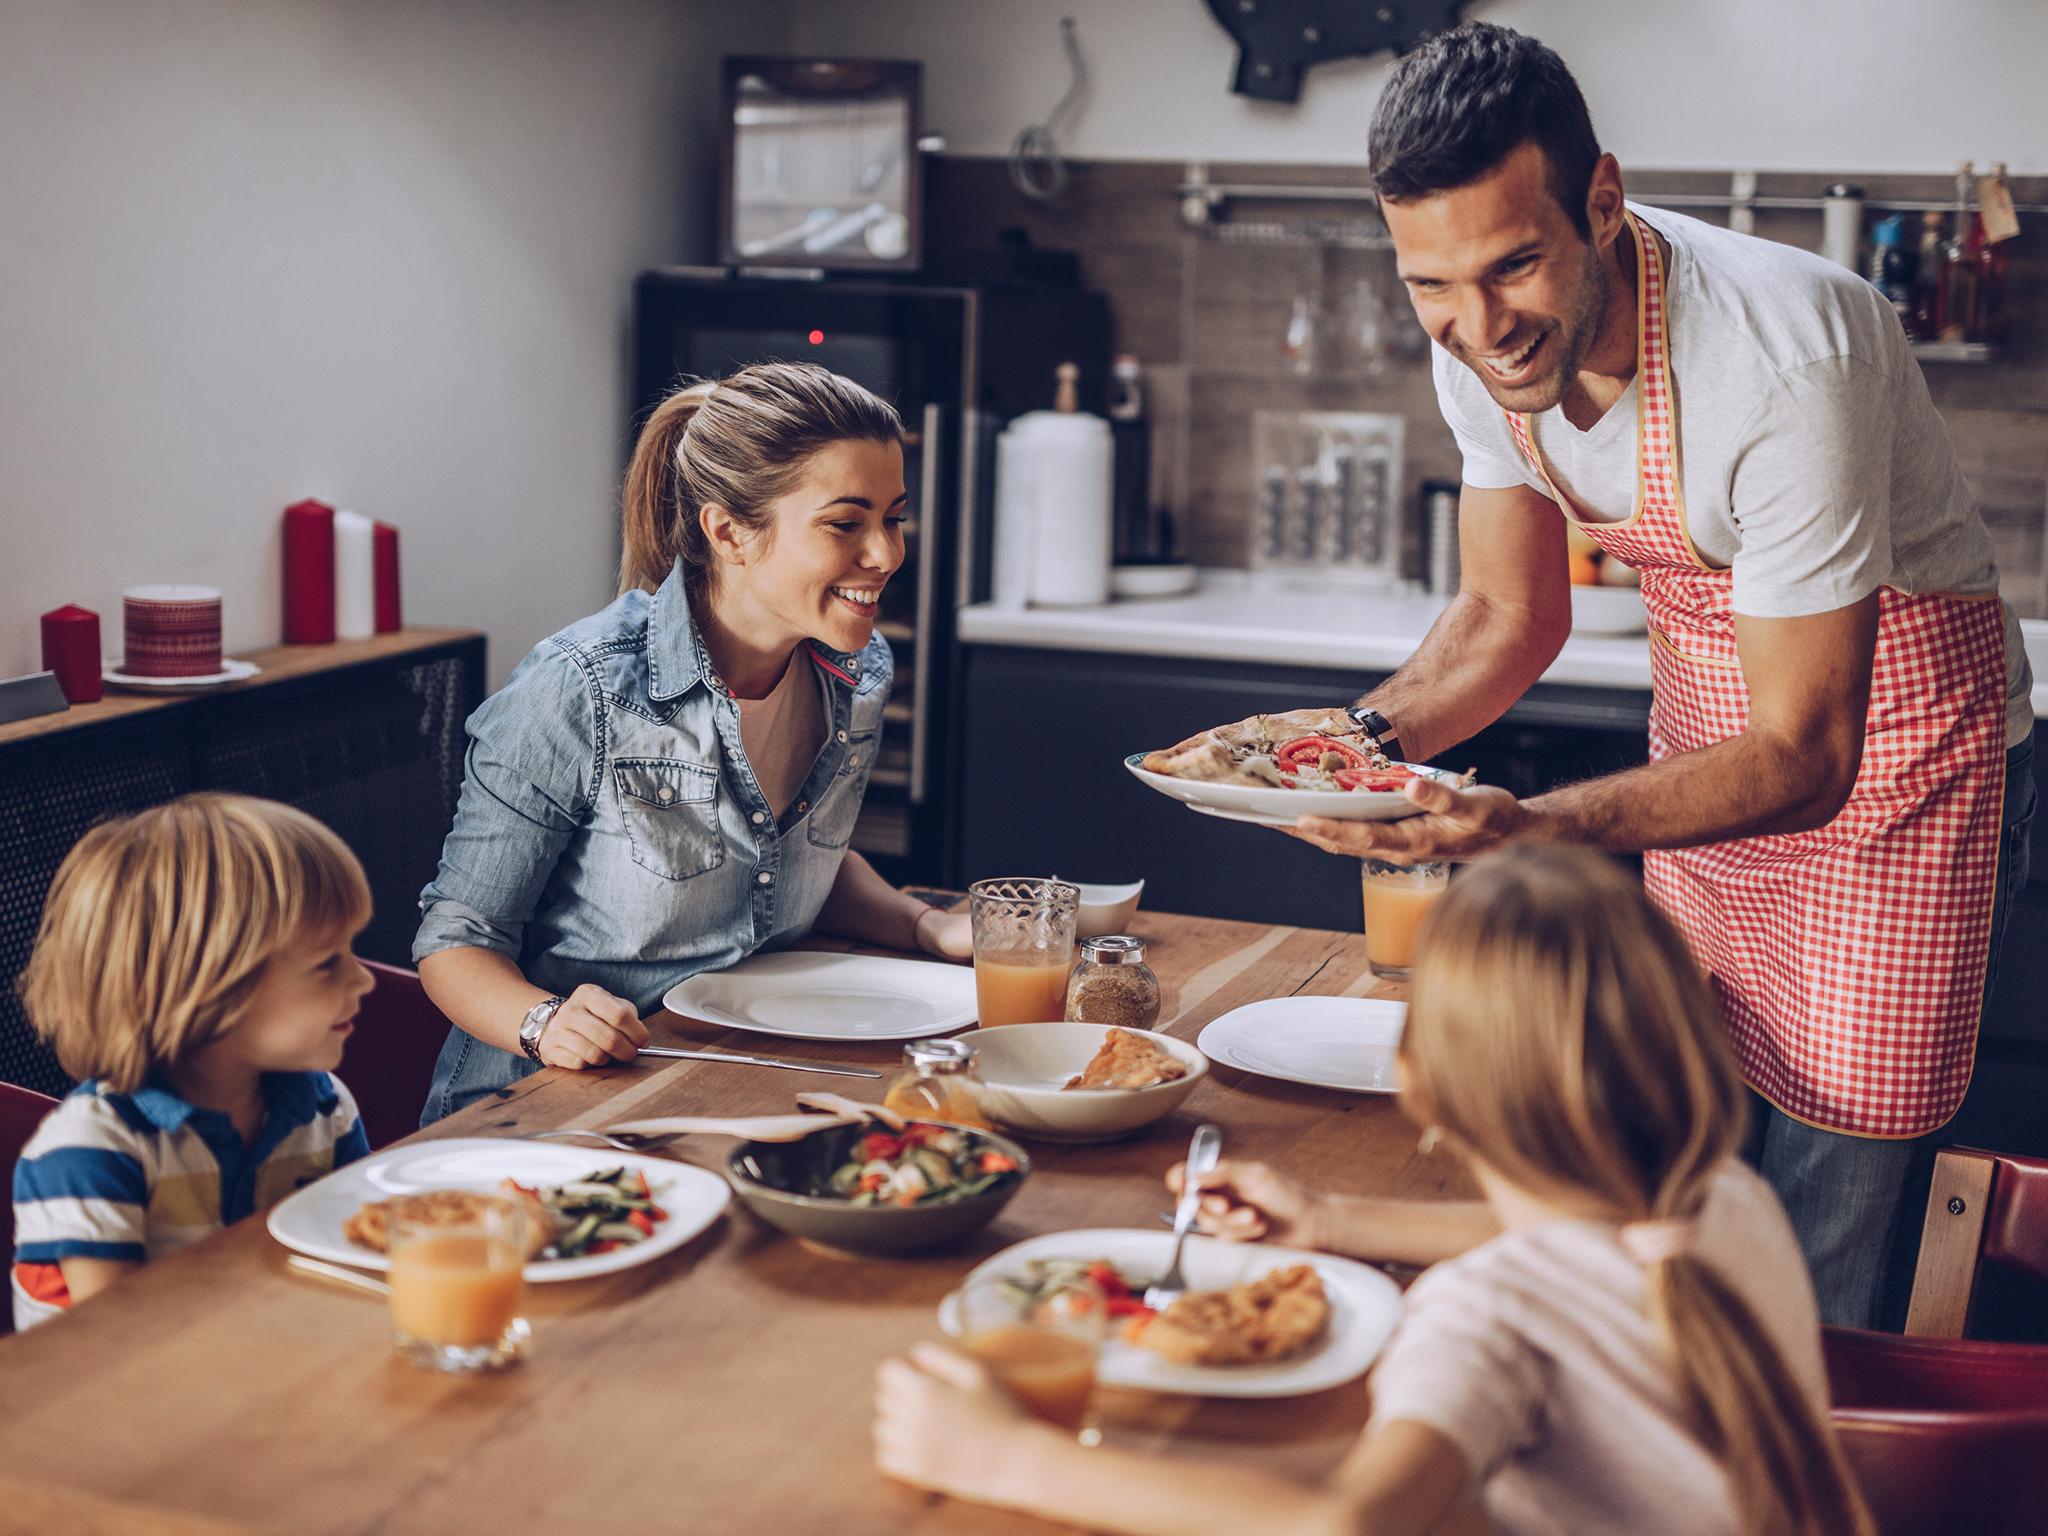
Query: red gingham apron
1849	960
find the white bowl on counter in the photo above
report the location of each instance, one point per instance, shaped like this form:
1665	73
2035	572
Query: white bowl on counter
1024	1069
1608	610
1106	908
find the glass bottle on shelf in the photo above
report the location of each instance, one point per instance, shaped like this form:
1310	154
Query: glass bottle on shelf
938	1082
1991	247
1959	267
1926	322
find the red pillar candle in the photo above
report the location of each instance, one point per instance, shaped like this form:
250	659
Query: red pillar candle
71	649
308	573
384	575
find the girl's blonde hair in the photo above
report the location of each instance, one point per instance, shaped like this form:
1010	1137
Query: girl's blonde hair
739	442
158	926
1561	1031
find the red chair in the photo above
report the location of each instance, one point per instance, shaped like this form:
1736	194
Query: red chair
21	1111
1944	1436
390	1058
1983	1207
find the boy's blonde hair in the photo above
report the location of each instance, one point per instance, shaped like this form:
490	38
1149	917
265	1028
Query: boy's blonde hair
158	926
1561	1031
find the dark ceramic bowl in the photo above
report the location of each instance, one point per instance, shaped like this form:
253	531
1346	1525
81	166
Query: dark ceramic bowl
770	1177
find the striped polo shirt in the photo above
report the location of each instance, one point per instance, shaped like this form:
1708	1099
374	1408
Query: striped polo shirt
139	1175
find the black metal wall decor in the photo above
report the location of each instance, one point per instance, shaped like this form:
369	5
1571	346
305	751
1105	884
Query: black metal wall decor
1278	39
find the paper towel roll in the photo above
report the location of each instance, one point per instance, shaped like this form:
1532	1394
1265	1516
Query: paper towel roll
1073	459
1016	512
355	577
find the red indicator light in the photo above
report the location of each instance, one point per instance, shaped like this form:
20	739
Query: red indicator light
817	338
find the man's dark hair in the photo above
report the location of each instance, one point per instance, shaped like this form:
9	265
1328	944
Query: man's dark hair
1467	99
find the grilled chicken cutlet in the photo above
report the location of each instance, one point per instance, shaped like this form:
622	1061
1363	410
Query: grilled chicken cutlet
1271	1318
370	1227
1127	1061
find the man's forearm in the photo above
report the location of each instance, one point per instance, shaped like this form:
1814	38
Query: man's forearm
1476	660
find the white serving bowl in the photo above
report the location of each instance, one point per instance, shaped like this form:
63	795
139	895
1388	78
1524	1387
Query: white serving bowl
1106	909
1024	1068
1608	611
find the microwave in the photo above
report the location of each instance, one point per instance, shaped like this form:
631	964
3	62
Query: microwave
958	363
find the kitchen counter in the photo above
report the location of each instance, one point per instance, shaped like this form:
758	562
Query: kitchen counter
1300	621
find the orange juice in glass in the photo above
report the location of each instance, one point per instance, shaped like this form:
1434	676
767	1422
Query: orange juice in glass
1023	949
457	1287
1042	1352
1397	898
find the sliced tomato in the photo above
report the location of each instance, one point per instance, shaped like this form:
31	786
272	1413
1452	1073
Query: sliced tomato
1106	1278
1307	752
642	1222
1375	781
879	1146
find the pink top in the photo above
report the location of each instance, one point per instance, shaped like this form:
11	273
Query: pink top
1534	1355
783	733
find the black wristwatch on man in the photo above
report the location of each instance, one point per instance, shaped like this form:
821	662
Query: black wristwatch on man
1378	729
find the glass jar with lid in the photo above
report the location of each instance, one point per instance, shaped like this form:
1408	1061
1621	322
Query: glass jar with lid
938	1082
1113	984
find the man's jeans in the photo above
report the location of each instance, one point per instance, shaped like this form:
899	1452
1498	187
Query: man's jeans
1857	1204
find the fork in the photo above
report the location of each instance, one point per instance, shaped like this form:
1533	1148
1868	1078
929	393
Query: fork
1203	1152
629	1141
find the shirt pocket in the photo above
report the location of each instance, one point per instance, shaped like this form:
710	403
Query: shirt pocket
670	810
832	819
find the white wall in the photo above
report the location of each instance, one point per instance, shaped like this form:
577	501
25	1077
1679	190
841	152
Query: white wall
1827	85
378	251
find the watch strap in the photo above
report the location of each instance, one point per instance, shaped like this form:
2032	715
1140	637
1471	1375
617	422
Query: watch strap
1377	727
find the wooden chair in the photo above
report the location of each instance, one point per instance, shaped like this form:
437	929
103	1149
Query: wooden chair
1982	1207
21	1111
390	1058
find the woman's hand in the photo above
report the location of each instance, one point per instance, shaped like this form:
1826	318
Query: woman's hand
592	1029
941	1423
948	935
1244	1202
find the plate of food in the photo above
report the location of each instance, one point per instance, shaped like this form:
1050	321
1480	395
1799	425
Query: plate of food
1257	1321
594	1212
806	995
1270	777
1081	1082
1325	1042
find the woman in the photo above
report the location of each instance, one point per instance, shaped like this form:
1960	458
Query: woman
670	785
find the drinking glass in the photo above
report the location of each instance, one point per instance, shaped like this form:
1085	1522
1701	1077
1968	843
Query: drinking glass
1042	1353
1023	948
1397	898
456	1289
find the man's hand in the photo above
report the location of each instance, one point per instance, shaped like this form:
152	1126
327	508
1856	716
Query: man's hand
1457	824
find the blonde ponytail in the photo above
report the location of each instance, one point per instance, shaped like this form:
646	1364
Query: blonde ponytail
1561	1031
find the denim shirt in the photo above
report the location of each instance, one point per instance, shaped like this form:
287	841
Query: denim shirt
610	829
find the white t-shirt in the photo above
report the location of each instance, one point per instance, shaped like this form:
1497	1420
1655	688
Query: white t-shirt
1813	461
783	733
1535	1356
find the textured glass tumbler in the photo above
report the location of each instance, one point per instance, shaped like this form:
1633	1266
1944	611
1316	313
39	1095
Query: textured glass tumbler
1023	948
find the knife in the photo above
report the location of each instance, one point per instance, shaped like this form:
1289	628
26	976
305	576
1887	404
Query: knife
670	1052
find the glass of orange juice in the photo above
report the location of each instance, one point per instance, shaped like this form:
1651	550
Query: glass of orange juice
1023	948
457	1288
1042	1351
1397	898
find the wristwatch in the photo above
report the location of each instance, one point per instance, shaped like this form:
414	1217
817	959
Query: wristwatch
537	1019
1378	729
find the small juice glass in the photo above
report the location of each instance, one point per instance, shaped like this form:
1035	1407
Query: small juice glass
457	1289
1042	1354
1023	949
1397	898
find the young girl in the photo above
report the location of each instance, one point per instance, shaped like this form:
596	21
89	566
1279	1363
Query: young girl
670	785
193	968
1623	1338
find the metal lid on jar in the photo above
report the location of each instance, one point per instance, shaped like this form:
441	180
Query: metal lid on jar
1113	949
939	1055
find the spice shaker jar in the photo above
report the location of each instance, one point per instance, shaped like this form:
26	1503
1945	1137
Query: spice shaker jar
938	1082
1113	984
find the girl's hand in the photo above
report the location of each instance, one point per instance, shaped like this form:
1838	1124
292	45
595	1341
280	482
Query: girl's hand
948	935
941	1423
1244	1202
592	1029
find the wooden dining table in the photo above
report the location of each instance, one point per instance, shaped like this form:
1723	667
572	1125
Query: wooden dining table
726	1387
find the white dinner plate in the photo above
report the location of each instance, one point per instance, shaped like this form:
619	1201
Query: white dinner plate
310	1220
1325	1042
1364	1305
809	996
1253	801
231	671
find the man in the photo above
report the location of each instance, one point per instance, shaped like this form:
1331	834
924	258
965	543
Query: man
1840	780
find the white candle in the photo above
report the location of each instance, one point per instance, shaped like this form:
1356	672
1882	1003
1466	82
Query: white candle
355	582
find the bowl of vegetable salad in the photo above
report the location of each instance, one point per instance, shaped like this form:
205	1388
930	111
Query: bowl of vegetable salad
869	1189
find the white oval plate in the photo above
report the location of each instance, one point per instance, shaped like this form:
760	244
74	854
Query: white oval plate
1250	801
803	995
310	1220
1364	1305
231	671
1325	1042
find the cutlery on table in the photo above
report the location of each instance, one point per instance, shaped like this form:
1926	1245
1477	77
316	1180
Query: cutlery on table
338	1275
675	1053
746	1127
1203	1153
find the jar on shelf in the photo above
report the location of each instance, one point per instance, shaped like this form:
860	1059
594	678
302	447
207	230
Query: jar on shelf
1113	984
938	1082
